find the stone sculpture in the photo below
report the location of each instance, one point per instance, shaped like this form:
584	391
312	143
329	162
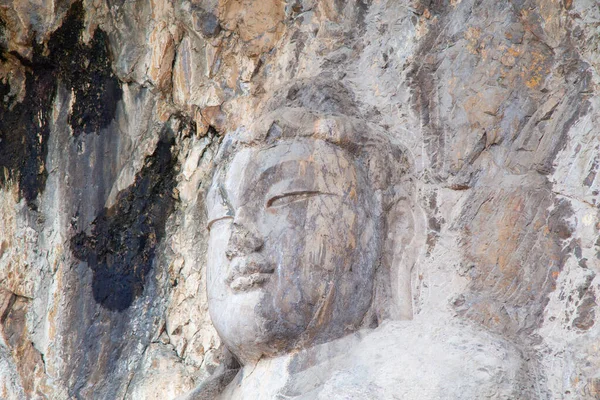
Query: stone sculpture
312	237
112	113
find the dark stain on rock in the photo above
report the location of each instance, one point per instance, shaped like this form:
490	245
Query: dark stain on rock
586	312
433	233
589	180
558	222
362	7
85	69
122	245
115	3
299	40
3	47
25	125
24	132
434	224
206	23
583	289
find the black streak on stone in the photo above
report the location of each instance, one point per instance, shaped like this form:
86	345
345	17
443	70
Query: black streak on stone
25	126
3	47
362	7
124	238
24	132
86	69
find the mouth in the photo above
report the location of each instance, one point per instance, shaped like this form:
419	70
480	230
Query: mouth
252	281
248	274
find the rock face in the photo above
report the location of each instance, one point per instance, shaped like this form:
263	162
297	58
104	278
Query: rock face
114	117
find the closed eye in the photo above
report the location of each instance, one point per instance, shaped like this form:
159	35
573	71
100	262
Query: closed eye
213	221
292	197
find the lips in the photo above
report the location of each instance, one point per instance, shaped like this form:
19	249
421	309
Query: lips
249	272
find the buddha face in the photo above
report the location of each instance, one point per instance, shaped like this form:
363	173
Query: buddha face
292	247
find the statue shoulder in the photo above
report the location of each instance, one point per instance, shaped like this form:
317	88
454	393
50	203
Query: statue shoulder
418	359
429	359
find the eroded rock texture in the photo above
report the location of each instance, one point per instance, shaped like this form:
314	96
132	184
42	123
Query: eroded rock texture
111	116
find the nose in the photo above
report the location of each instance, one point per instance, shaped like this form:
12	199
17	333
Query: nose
244	239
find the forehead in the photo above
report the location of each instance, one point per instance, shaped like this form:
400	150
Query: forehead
310	162
316	152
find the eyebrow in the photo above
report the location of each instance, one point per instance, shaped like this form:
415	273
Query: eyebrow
210	223
305	193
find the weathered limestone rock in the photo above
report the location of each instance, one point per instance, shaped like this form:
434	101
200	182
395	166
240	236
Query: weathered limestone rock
113	118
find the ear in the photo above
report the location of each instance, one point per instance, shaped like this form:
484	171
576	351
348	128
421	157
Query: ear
400	253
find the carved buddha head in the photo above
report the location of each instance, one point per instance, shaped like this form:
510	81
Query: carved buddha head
299	220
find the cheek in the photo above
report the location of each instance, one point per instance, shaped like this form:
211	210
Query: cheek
330	235
299	277
310	241
285	233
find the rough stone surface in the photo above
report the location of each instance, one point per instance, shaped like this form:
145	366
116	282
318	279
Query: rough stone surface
112	116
